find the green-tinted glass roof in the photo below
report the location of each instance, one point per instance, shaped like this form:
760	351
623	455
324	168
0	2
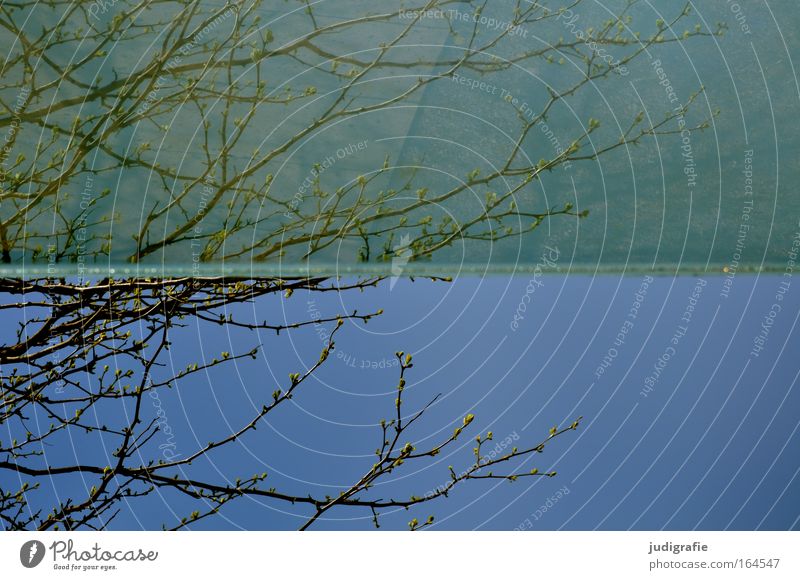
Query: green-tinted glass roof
282	138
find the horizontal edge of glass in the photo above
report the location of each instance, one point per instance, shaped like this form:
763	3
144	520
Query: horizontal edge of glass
122	270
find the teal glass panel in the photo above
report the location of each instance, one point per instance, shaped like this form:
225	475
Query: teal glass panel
286	138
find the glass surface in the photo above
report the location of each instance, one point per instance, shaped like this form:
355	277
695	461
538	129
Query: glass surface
284	138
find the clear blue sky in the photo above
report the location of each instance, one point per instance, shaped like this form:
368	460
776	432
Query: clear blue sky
713	445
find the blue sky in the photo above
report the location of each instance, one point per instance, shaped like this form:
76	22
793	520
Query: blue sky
713	444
